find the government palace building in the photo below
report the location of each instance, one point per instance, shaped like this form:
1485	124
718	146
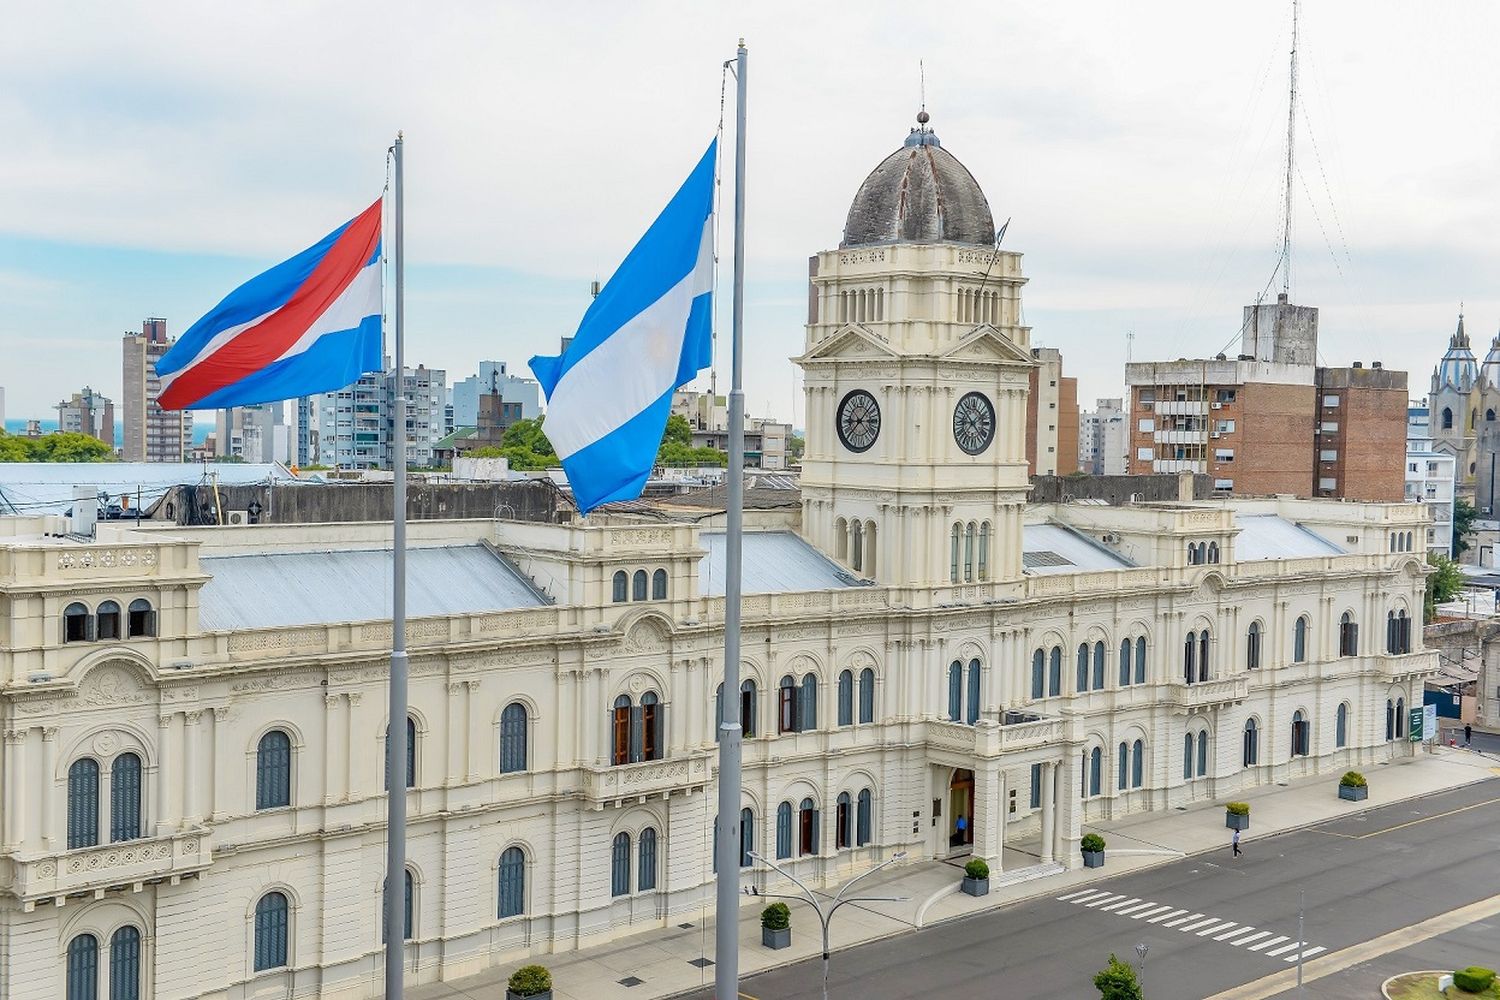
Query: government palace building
194	773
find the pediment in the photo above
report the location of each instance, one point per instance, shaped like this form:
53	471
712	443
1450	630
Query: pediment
985	343
850	343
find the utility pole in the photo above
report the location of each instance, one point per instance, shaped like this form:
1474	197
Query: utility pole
1301	938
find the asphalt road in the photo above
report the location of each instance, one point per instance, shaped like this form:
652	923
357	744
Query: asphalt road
1363	875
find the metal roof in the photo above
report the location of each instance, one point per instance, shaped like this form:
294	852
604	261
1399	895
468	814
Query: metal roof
276	589
1270	536
775	562
1056	548
35	488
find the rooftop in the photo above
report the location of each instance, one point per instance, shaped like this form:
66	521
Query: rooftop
1056	548
774	562
47	487
1270	536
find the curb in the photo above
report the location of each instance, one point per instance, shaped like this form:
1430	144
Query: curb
1385	986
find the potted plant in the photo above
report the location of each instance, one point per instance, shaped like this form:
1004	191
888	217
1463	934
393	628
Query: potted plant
776	926
1352	786
1237	815
976	878
1474	979
1093	850
532	981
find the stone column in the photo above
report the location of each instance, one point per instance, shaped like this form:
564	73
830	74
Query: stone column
1068	830
594	709
459	750
331	713
217	786
351	700
989	809
473	724
673	702
1049	808
15	788
49	784
163	773
191	738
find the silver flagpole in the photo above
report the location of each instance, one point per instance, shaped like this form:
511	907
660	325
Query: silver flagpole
396	751
727	910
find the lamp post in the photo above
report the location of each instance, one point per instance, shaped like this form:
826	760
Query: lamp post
839	899
1141	950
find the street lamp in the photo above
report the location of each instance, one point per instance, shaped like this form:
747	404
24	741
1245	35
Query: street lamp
839	899
1141	950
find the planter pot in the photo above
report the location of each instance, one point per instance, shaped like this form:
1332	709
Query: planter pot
535	996
1354	793
1234	822
776	939
975	886
1093	859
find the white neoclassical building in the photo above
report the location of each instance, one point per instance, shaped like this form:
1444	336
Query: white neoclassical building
192	792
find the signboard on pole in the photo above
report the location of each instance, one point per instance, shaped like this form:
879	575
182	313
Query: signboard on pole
1429	722
1418	716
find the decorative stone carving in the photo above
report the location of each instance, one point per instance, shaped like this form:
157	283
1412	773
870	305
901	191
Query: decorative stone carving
105	744
108	686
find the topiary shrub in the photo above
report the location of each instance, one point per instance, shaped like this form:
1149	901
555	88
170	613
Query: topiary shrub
530	981
1117	982
1352	779
1474	979
776	917
977	868
1091	842
1238	808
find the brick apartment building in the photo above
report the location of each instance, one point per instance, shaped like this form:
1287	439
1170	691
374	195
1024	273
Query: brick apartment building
1271	421
1051	417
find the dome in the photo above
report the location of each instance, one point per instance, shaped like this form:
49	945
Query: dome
1458	368
919	194
1491	367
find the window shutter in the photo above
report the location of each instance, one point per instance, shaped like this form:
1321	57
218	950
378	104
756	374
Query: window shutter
636	739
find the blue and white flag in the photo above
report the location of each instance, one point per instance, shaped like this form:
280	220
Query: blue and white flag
647	332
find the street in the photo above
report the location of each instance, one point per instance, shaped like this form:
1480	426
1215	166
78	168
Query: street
1209	922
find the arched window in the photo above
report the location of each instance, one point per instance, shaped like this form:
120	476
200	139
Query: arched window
1408	541
142	618
1137	763
787	694
984	551
1187	756
1203	655
1083	668
619	866
846	698
1489	415
1038	672
972	715
1140	660
107	620
513	738
1447	418
1301	734
271	918
784	830
1192	554
843	822
1341	726
1400	718
857	546
867	695
1299	640
78	626
747	707
406	906
1189	657
273	770
1213	552
83	968
125	964
1390	719
862	819
659	585
953	556
645	876
1099	666
807	828
1096	770
969	553
411	754
620	730
125	798
1252	647
807	706
83	803
512	883
638	585
650	726
955	691
841	539
1252	744
1125	651
1348	635
1123	777
1054	672
1202	752
747	836
622	584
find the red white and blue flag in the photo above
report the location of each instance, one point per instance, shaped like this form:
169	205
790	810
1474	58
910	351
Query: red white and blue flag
310	324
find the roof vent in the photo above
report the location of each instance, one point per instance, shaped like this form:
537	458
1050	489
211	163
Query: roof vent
1376	364
1359	364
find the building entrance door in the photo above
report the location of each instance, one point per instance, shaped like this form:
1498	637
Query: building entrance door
961	810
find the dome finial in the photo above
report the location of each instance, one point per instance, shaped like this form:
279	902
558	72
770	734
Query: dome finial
923	117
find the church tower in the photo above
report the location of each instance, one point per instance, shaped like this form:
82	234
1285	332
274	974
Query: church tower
1452	403
915	371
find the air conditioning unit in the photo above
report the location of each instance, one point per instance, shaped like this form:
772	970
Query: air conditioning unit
1218	406
1214	434
238	517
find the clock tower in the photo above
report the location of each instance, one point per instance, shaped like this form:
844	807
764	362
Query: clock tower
915	369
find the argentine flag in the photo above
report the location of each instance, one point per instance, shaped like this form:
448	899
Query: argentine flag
647	332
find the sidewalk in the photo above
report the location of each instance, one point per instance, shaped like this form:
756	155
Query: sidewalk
663	959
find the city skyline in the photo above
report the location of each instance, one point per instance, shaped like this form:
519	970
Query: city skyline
1145	192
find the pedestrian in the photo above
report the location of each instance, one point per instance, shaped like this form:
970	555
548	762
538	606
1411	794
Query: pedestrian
1235	843
1468	733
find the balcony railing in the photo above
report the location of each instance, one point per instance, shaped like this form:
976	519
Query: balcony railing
690	772
1203	694
92	869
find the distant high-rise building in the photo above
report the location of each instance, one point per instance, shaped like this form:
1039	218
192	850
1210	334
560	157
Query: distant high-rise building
1102	439
151	433
306	430
493	375
88	412
1051	416
355	425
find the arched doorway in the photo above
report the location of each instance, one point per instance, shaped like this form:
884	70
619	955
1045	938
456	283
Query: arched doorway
961	810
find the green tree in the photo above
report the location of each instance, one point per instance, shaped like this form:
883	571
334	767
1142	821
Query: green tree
677	446
525	446
1443	584
795	447
1463	522
1118	982
61	446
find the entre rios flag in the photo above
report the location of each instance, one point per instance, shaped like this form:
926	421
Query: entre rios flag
647	332
309	324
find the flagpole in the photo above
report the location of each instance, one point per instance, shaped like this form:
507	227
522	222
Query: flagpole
727	910
396	750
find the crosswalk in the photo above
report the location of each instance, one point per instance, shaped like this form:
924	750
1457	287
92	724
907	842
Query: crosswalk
1197	924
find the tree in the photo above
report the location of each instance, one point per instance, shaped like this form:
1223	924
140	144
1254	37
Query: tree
525	446
1118	982
677	446
1443	584
795	447
1463	522
61	446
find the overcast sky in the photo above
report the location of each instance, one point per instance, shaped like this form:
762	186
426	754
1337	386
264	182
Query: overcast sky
158	154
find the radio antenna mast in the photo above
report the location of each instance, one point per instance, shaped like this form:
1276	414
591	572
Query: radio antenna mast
1291	133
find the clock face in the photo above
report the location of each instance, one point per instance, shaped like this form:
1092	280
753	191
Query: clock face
859	420
974	423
